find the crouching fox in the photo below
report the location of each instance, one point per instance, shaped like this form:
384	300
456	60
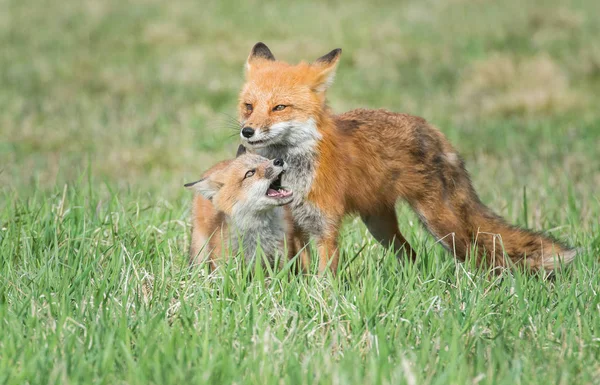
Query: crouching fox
238	205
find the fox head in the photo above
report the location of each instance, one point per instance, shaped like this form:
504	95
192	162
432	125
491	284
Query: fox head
282	104
247	185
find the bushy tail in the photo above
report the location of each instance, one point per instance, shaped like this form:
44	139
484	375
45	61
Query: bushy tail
467	227
500	244
453	213
451	210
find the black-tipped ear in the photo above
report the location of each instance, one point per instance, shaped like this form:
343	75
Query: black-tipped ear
240	151
260	50
330	58
325	68
191	184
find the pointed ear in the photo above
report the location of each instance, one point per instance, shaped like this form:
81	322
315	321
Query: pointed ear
207	187
240	151
260	52
326	66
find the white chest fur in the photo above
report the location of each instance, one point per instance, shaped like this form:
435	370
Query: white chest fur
300	177
266	230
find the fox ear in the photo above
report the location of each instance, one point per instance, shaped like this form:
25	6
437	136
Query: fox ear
259	52
240	151
326	66
206	187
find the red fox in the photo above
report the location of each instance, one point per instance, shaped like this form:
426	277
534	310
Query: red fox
363	161
239	204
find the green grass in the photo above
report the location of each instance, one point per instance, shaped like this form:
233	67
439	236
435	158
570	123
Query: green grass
108	107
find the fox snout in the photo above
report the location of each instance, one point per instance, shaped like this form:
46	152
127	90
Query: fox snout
253	134
276	167
247	132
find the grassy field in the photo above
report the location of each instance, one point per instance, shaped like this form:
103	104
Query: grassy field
107	107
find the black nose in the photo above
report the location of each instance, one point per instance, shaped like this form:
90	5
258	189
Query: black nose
278	162
247	132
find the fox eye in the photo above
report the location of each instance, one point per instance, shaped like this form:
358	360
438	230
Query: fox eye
248	107
279	107
249	174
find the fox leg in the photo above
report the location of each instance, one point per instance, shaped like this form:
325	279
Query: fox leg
199	248
384	228
304	255
299	246
327	249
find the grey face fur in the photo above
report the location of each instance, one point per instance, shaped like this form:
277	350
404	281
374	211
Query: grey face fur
299	178
254	217
253	200
257	219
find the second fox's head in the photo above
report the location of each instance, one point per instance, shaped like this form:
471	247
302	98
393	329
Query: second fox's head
246	185
281	104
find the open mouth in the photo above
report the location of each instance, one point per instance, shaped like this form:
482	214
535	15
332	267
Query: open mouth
276	191
257	142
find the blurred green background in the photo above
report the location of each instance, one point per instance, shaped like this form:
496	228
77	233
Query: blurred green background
141	93
107	107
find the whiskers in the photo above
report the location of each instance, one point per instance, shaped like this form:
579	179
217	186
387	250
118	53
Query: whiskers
227	122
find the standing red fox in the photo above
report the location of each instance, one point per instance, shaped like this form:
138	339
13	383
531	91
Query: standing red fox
363	161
